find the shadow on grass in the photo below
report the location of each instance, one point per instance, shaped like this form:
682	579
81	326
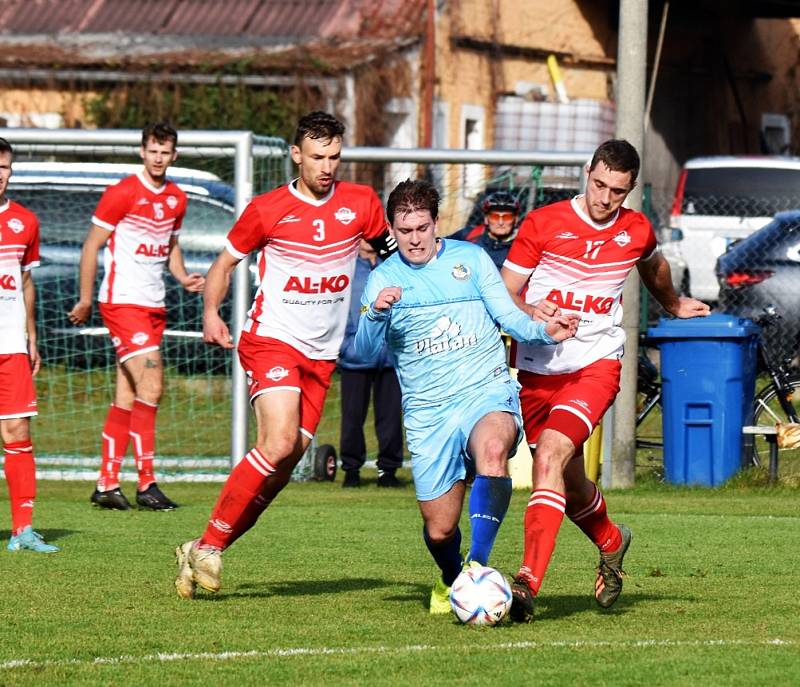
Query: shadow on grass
298	588
557	607
49	535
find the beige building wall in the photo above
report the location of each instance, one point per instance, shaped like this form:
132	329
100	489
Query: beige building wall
470	79
34	106
777	42
469	76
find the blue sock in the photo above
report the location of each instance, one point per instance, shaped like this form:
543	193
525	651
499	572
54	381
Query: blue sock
447	556
488	503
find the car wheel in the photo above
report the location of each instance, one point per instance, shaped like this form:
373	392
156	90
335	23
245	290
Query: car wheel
325	463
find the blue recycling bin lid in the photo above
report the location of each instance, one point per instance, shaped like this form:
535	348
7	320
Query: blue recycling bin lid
715	326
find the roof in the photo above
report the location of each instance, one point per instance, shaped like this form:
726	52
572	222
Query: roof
108	33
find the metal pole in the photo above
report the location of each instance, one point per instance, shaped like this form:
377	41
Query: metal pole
243	180
631	78
656	60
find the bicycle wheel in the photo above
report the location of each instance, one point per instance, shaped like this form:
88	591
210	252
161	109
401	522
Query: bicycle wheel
767	411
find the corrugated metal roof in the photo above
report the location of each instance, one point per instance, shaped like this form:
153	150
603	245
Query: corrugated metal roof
298	19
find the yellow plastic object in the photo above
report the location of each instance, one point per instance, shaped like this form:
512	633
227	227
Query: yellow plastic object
592	452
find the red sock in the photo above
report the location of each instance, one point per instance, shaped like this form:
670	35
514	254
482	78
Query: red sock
240	503
143	434
20	472
542	520
116	435
595	524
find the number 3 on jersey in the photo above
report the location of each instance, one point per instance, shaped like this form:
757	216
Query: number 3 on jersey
319	225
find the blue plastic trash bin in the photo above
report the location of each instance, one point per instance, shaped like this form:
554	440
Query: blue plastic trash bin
708	373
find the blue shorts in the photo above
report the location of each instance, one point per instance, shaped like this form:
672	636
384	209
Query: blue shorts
437	436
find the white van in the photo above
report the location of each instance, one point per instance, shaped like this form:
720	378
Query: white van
721	199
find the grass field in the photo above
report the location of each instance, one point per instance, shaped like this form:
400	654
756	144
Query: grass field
330	588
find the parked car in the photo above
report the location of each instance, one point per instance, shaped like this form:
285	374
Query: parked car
64	197
719	200
764	269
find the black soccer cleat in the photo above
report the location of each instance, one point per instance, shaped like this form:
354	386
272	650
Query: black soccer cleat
352	479
153	498
521	601
387	478
113	499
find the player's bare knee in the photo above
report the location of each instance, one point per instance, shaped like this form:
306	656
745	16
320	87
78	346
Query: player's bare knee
15	429
494	464
440	533
495	450
278	449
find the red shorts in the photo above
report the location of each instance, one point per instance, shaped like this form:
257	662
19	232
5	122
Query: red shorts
572	403
17	394
273	365
134	329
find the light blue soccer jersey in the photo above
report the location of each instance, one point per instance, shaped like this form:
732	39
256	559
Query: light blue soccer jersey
444	329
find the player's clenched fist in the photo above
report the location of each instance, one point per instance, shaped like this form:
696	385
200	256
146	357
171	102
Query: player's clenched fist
562	327
387	297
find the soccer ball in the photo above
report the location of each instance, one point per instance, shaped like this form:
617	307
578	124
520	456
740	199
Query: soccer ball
480	596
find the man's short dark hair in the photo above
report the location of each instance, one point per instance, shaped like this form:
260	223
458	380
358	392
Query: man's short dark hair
318	125
619	156
161	132
410	196
5	147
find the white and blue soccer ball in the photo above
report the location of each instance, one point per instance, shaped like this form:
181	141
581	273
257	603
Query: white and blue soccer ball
480	596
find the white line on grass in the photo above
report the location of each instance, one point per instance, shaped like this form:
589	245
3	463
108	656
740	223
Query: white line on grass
406	649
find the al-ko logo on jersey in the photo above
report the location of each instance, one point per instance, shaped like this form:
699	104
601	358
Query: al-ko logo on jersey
345	215
335	284
569	300
445	336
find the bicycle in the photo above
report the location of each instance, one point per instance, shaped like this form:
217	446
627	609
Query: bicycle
775	402
648	394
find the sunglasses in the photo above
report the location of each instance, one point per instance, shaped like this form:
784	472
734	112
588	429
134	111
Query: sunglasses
495	216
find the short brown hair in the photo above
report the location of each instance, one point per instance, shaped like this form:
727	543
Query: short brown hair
410	196
618	155
161	132
318	125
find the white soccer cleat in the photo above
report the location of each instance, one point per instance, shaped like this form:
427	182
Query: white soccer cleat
184	582
206	565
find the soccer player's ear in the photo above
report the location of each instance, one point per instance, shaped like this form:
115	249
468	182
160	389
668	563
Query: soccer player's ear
296	154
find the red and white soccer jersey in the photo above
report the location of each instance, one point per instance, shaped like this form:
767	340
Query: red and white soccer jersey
580	266
19	252
307	253
142	220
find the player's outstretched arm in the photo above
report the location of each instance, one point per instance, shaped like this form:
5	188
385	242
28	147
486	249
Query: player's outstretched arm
218	280
194	282
95	240
657	277
562	327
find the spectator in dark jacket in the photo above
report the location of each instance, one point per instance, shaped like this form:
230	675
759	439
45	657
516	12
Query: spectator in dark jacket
495	235
361	379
